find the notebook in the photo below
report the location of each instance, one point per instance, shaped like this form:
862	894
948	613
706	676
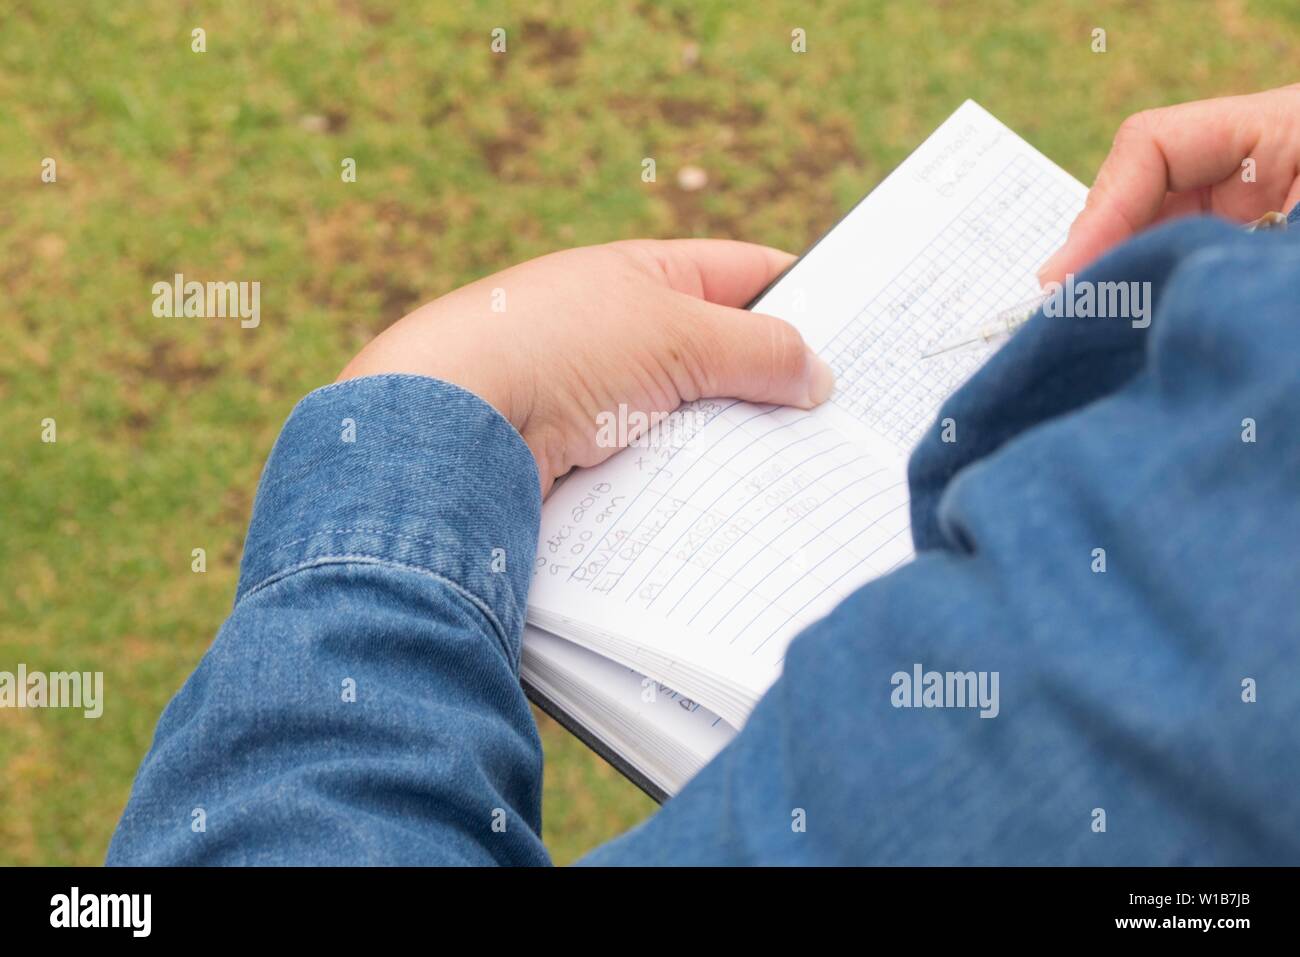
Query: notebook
670	579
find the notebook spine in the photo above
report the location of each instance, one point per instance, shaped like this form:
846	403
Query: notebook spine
583	734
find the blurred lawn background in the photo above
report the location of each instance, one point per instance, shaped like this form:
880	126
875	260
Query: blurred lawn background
225	165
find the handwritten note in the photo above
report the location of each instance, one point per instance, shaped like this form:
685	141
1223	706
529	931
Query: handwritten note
698	557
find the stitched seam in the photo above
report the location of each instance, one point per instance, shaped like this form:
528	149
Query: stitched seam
365	531
468	595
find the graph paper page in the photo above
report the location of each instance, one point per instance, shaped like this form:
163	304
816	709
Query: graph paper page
737	525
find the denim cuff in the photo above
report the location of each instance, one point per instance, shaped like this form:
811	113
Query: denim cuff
402	470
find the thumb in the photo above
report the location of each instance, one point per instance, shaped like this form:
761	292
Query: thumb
756	357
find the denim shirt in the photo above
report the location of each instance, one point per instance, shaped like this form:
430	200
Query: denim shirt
361	704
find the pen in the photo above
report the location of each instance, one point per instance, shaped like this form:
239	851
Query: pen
998	328
1004	323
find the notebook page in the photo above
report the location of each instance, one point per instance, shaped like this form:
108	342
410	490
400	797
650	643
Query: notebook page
747	525
955	234
740	524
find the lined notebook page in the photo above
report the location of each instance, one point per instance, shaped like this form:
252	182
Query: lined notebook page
741	524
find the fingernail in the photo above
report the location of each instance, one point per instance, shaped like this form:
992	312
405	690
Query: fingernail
821	380
1047	271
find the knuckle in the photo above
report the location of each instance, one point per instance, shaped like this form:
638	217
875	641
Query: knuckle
1137	126
787	349
692	346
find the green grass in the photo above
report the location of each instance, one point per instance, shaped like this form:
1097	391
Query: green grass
225	165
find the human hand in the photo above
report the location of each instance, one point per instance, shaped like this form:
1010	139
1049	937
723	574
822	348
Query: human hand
1186	159
649	324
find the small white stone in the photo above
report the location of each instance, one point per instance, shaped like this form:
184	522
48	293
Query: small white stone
691	178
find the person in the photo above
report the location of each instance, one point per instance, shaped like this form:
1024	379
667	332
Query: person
1148	708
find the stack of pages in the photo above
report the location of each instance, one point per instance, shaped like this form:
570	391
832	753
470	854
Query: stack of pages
671	578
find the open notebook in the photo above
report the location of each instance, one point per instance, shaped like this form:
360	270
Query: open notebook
670	579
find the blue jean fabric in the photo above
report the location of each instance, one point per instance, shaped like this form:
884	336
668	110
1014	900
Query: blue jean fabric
376	565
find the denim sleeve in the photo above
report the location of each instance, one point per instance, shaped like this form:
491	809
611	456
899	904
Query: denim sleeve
1113	533
361	705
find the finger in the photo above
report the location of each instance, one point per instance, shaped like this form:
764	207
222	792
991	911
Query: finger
756	357
721	271
1175	149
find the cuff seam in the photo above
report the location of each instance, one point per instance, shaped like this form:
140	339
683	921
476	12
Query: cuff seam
363	559
415	376
360	530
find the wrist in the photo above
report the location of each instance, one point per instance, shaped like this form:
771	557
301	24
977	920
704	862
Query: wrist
448	351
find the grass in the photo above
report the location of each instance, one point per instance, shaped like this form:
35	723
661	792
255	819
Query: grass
225	165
